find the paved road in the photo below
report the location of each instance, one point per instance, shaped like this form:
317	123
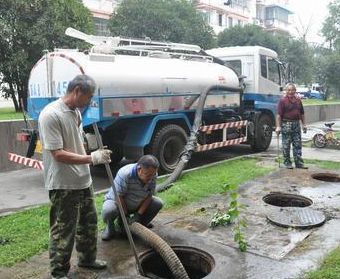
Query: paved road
24	188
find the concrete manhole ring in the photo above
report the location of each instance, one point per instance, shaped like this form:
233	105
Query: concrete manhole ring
327	177
295	217
286	200
196	262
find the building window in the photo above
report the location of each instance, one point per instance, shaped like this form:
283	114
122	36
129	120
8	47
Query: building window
220	19
277	13
230	22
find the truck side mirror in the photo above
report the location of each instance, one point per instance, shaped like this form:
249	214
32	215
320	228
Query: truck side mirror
281	88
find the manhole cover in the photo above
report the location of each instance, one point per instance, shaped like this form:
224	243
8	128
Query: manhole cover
197	263
286	200
295	217
328	177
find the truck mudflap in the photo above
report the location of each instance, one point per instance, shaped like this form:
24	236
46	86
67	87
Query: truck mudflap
224	142
29	162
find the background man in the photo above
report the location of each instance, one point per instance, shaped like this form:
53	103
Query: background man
289	114
68	179
135	185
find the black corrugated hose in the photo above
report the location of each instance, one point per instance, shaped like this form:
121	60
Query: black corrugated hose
192	141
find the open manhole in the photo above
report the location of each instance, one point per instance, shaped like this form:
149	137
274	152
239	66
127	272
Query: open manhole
286	200
197	263
328	177
291	210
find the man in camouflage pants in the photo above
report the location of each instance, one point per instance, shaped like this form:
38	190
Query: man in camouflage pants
67	177
289	114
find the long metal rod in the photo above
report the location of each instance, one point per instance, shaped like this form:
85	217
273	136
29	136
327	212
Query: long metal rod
278	148
120	207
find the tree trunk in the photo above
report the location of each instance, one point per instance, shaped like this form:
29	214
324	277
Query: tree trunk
14	99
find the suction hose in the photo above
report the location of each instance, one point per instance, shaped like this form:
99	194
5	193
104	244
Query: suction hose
162	248
192	141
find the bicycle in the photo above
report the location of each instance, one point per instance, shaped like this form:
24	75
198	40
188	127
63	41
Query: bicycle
326	137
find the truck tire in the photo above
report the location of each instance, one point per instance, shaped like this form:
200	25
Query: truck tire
263	133
167	145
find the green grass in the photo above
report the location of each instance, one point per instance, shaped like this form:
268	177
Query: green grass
196	185
329	269
10	114
324	164
313	102
25	234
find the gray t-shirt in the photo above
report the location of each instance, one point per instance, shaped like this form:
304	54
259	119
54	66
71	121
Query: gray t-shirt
60	128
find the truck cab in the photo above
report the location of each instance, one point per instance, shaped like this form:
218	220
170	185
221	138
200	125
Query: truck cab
261	71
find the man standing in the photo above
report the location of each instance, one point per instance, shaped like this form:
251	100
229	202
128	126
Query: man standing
289	114
135	185
67	178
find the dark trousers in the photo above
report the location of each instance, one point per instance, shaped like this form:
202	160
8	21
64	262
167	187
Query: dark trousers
111	211
73	218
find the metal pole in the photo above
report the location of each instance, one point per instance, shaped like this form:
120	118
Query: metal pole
278	148
120	207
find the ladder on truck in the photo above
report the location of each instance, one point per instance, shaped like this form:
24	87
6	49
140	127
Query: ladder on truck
143	47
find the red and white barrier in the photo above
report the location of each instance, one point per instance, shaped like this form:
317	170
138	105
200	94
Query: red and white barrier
33	163
224	126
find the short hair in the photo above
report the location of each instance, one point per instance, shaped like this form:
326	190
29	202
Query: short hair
148	161
85	83
290	84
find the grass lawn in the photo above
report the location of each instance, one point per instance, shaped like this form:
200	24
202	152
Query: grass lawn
25	234
313	102
10	114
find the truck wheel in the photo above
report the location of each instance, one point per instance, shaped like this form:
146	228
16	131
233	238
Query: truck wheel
167	145
263	134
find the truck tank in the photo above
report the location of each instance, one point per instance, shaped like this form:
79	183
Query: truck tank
129	84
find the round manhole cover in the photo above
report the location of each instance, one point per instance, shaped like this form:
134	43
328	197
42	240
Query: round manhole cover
327	177
295	217
286	200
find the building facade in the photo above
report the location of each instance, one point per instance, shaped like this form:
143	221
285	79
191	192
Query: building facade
271	15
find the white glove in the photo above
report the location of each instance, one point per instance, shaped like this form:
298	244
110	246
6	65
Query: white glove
101	156
278	130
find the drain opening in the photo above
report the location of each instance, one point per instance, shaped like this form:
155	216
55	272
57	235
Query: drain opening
287	200
327	177
197	263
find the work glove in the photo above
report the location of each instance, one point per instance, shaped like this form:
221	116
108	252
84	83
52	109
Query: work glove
101	156
304	129
135	218
278	130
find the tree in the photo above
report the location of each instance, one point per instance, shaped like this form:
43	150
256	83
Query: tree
249	35
166	20
28	28
331	27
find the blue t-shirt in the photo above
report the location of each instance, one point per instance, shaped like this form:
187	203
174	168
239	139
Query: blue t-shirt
131	187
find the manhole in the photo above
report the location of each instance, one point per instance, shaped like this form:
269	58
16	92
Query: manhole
197	263
286	200
328	177
296	217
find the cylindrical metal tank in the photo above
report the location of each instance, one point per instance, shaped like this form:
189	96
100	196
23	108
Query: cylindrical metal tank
126	75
